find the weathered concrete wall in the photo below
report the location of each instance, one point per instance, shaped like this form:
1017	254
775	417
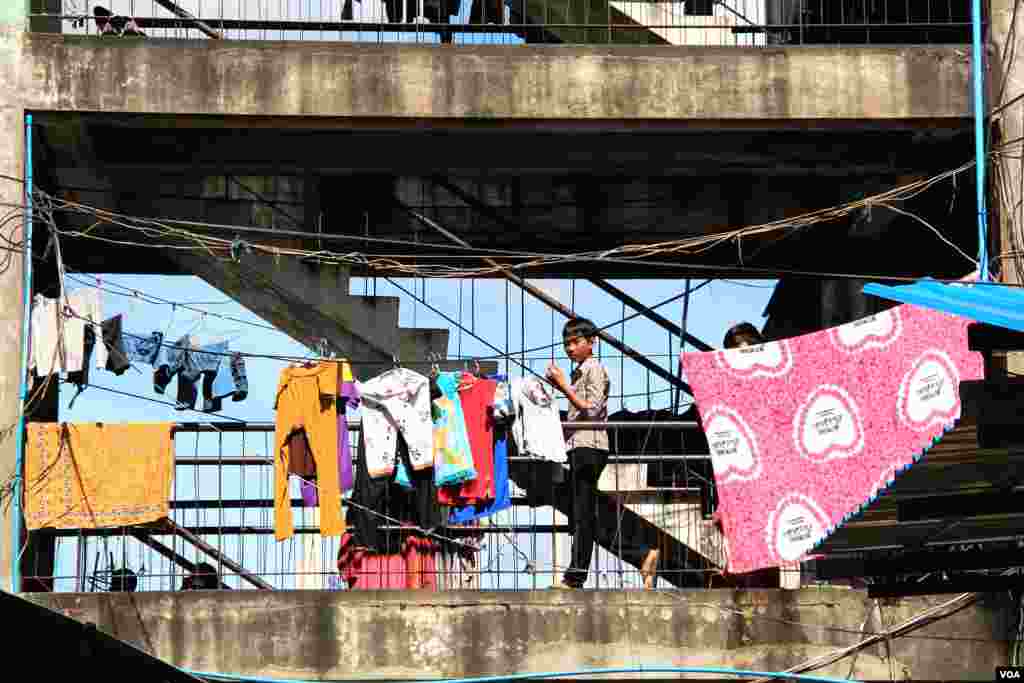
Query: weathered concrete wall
496	82
312	634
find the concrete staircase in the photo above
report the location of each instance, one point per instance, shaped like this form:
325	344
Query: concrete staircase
311	301
306	299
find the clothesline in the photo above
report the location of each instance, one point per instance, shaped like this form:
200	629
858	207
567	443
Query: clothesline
259	427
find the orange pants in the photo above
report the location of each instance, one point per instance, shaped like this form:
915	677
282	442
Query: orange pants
306	399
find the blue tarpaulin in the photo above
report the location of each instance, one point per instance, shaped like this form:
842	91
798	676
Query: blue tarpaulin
986	302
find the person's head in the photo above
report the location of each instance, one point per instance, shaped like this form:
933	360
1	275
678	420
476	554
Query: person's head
743	334
578	336
204	577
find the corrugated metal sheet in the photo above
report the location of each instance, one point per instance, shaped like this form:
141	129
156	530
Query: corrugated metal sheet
990	303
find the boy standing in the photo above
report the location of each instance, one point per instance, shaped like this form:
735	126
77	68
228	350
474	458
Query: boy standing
587	448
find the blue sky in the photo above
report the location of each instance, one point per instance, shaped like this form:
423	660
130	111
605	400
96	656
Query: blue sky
712	310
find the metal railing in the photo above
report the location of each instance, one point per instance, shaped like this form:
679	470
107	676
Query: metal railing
710	23
655	493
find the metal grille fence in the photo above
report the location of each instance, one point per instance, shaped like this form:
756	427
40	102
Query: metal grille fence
708	23
222	517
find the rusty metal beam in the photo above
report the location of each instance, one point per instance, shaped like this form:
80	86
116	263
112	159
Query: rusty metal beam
487	211
554	303
205	547
653	316
182	13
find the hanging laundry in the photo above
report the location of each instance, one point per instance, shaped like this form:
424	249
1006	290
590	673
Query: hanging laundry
113	341
301	461
52	352
93	475
476	396
305	399
806	431
396	401
86	308
502	491
382	502
46	354
537	428
413	565
453	462
117	361
142	349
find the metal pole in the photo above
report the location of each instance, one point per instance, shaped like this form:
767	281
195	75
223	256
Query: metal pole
682	344
26	318
979	139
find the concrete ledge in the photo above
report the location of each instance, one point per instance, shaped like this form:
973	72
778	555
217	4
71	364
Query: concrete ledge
343	635
662	83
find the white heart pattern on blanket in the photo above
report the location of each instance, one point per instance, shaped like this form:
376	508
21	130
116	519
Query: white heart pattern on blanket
828	425
930	392
773	359
795	526
734	453
873	332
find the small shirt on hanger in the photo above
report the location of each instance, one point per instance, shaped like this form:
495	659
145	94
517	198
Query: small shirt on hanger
453	460
537	428
397	400
476	396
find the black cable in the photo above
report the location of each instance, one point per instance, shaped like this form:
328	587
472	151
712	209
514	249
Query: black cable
156	400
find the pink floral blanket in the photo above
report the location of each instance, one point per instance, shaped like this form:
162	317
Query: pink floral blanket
806	431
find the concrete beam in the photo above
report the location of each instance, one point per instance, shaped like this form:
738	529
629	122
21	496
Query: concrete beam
747	86
418	635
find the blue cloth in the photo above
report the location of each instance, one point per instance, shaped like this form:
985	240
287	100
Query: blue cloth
142	349
502	489
208	358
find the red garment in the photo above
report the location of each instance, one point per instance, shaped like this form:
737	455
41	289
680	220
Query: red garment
476	396
413	568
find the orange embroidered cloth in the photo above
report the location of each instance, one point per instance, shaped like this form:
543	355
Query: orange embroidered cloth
89	475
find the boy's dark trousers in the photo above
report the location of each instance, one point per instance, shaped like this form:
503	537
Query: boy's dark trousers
585	467
592	522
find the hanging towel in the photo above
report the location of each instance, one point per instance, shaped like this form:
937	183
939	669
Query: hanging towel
88	476
453	460
806	431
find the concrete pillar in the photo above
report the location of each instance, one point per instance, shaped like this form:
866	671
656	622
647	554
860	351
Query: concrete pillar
1006	82
13	18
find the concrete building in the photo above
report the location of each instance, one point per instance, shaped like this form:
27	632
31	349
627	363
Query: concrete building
633	130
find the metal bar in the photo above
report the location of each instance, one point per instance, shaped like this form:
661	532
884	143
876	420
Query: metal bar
920	561
554	303
980	160
202	545
967	584
163	550
189	17
487	211
621	458
202	427
653	316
